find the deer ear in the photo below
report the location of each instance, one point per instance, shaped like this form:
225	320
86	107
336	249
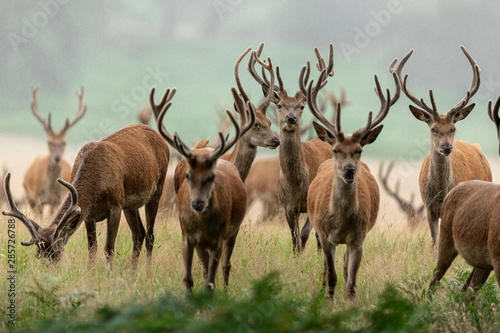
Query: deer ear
371	136
420	115
324	134
462	114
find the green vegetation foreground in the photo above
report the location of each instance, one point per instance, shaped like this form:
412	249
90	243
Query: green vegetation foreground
269	290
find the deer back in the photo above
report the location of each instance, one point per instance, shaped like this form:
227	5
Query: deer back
314	153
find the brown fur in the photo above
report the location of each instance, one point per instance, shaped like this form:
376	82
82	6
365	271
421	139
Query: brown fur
213	232
121	172
439	174
262	184
343	214
470	227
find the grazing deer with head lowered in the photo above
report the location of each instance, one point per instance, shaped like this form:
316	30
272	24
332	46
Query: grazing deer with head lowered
343	200
413	215
470	226
299	161
121	172
40	180
212	200
449	162
260	135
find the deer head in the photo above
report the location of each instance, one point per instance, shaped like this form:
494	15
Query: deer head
57	140
49	241
290	108
347	149
442	126
260	135
200	176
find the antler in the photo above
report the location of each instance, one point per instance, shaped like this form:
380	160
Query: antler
82	108
237	75
474	87
385	104
73	208
158	109
247	120
430	111
312	95
263	81
494	114
395	194
15	212
36	112
320	65
269	66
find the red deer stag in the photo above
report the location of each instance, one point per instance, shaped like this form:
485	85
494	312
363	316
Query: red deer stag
470	226
212	200
343	200
121	172
260	135
299	161
413	215
449	162
40	180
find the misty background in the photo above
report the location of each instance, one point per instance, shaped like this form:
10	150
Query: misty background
118	50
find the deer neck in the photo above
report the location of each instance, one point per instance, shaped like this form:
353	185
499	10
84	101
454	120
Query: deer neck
290	155
344	197
243	156
440	173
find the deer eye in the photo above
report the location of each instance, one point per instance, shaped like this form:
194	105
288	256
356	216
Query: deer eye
187	176
256	125
212	178
302	107
433	130
335	151
278	106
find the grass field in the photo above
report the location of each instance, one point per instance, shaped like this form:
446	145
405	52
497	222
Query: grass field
270	289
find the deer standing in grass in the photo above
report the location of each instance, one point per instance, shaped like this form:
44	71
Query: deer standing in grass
119	173
470	226
343	200
260	135
413	215
449	162
212	200
299	161
40	180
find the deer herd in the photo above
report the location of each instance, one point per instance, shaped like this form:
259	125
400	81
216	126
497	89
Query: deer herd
324	178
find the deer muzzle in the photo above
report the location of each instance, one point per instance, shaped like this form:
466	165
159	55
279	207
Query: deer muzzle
349	173
446	149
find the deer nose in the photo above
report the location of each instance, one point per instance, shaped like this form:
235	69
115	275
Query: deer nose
275	142
291	119
349	172
198	206
57	158
447	149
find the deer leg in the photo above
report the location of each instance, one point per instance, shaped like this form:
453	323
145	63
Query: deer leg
91	239
293	222
187	258
138	233
213	263
304	234
112	230
477	277
346	265
151	210
227	249
354	260
433	221
447	253
204	257
329	273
